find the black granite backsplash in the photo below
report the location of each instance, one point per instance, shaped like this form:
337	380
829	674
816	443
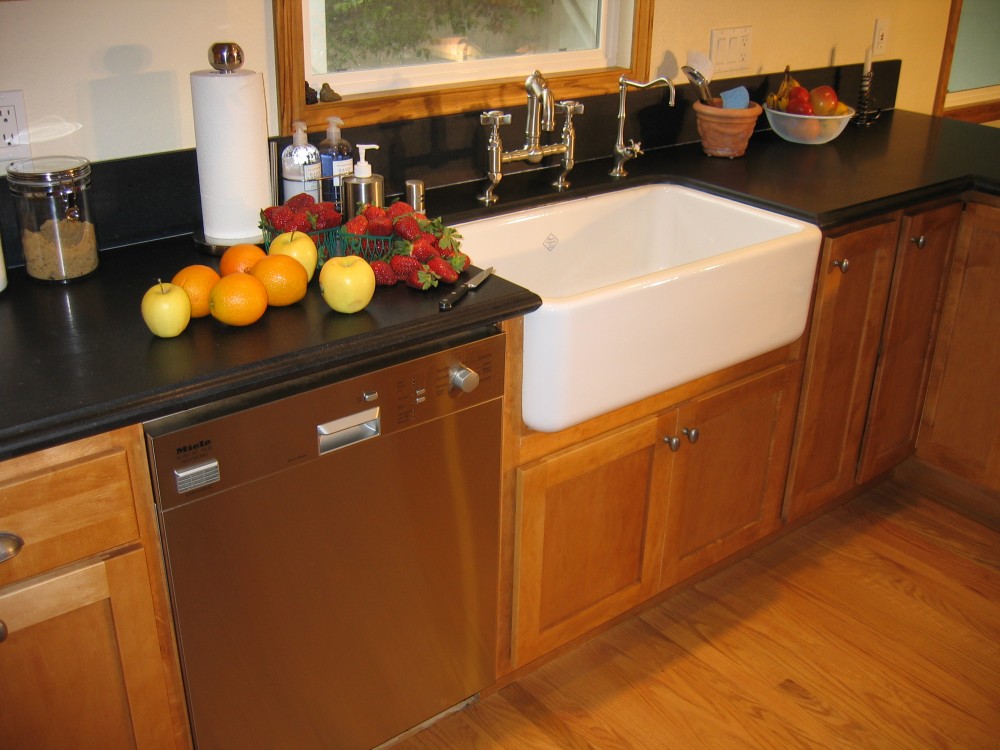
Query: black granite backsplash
153	196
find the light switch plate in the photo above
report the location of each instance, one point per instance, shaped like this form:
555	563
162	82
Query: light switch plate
14	143
730	48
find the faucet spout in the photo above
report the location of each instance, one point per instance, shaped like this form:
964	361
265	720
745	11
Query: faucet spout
622	152
541	111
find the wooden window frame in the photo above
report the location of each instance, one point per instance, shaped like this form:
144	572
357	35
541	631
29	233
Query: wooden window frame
416	103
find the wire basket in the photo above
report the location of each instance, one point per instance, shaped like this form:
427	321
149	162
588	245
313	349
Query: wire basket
368	246
331	243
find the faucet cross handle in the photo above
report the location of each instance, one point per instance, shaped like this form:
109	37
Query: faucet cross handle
494	118
570	107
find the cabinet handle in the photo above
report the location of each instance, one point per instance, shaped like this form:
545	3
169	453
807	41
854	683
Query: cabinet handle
692	434
842	264
10	545
673	441
920	242
3	631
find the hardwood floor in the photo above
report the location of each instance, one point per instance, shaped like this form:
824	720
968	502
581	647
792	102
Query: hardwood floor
876	626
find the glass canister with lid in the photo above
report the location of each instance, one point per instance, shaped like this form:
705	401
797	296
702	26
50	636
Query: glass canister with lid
52	198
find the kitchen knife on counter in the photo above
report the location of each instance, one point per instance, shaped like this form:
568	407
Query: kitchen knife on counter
449	300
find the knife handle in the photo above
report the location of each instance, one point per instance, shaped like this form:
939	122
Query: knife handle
449	300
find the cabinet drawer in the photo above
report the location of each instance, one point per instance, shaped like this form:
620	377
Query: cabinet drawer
64	504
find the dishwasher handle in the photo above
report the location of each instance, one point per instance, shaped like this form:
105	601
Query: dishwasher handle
354	428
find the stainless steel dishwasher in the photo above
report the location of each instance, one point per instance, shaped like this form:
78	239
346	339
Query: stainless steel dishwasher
332	553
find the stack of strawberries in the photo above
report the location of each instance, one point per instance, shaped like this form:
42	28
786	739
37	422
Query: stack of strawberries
301	213
422	252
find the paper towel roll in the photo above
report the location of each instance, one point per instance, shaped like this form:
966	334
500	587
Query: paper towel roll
230	130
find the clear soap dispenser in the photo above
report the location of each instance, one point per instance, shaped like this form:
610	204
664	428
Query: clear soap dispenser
335	156
362	188
300	165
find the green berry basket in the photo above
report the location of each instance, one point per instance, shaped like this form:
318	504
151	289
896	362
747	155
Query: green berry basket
368	246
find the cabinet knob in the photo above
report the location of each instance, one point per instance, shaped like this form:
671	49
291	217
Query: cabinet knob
692	434
673	441
10	545
842	264
920	242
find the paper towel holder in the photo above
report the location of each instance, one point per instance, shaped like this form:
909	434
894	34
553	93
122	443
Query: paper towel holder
227	57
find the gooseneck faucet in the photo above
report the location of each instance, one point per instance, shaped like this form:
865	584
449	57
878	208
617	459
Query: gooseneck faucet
623	152
541	118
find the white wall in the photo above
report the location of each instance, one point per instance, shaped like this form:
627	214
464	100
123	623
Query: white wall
109	78
813	34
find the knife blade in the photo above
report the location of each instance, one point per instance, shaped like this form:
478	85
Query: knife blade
449	300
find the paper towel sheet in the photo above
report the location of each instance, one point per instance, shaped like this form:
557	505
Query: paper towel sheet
230	128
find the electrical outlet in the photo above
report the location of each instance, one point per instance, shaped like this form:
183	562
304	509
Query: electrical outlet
880	40
14	143
730	48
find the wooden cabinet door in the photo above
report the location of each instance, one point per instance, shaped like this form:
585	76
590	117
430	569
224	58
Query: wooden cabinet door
80	660
728	476
586	550
848	315
960	430
923	256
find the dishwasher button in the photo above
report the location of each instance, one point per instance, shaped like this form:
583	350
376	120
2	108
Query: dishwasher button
369	396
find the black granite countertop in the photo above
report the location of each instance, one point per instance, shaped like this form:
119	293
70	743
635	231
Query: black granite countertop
78	360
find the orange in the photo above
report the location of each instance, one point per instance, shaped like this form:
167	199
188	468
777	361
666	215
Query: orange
197	281
238	299
240	258
284	278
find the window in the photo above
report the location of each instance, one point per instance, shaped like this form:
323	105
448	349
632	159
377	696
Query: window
360	46
448	62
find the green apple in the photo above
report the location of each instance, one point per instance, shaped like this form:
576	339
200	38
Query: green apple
166	309
300	246
347	283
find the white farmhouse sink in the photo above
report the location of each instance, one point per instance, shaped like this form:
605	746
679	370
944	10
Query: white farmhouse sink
644	289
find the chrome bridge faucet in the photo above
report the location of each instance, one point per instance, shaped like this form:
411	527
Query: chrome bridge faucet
623	153
541	118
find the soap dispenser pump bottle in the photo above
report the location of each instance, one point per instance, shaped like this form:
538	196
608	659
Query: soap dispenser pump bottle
336	159
362	188
300	165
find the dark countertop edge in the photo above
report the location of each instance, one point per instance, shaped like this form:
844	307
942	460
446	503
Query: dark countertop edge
101	417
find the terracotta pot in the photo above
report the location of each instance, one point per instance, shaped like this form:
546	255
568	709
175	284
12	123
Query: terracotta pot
726	132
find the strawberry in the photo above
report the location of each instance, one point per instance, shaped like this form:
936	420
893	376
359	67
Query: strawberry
327	215
301	221
404	265
420	278
357	225
302	200
373	212
380	226
278	217
443	270
423	250
448	237
399	208
459	260
407	228
384	275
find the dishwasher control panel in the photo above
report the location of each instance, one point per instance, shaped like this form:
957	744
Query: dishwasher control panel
203	451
